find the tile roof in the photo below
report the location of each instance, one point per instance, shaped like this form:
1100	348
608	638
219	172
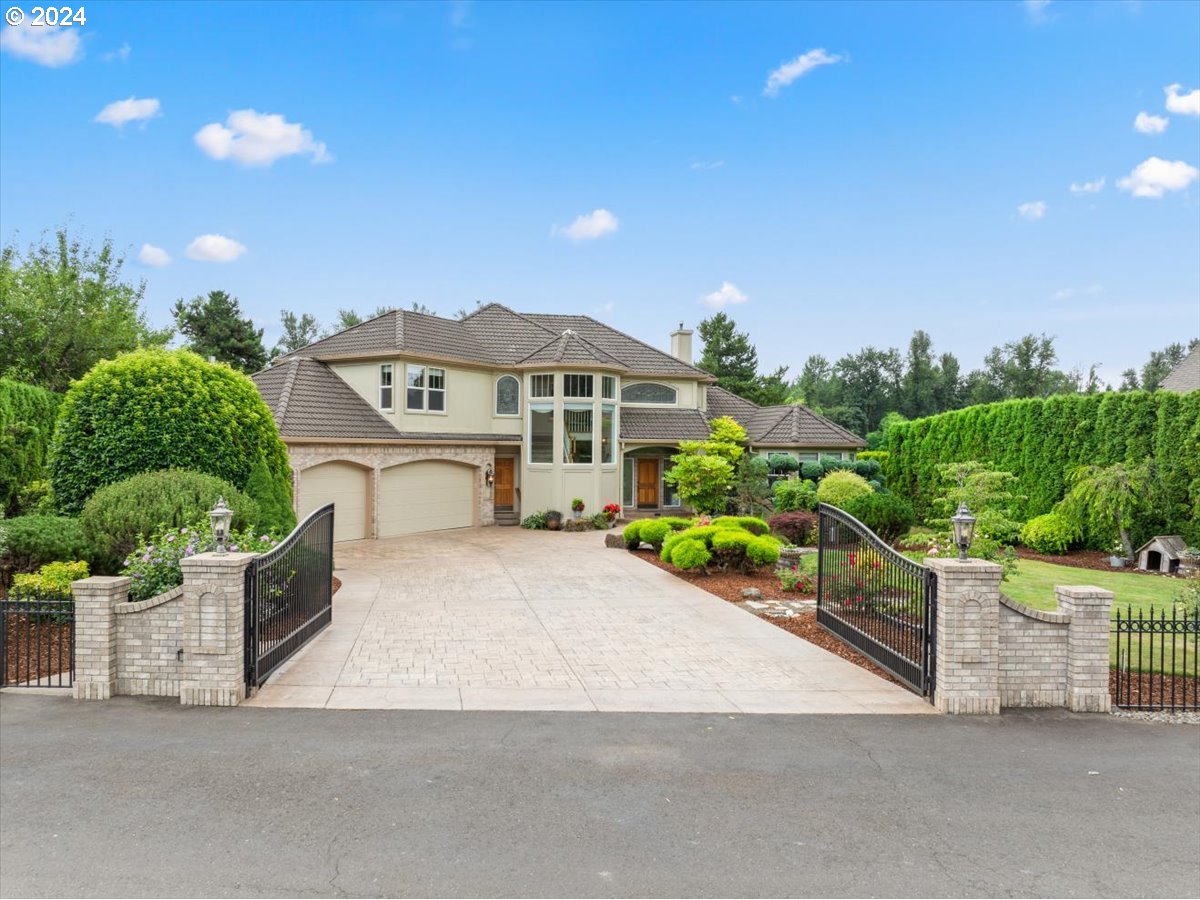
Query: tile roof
669	425
726	403
638	357
1186	376
781	426
570	349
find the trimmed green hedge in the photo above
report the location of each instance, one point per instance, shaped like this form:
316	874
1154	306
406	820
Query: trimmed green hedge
1042	441
33	541
161	409
27	416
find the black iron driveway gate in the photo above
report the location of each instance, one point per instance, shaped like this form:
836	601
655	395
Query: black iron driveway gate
876	600
289	595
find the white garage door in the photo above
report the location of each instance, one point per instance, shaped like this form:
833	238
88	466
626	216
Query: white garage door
345	486
426	496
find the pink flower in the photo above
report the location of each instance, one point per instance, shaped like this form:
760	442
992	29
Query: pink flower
170	538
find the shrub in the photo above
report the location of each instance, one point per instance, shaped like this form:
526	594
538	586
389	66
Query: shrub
273	494
797	527
752	490
26	427
783	463
160	409
534	521
796	579
836	464
116	516
879	455
811	470
867	468
34	541
887	515
795	493
600	520
762	551
1048	533
752	524
154	564
52	580
632	533
700	532
654	532
690	554
839	488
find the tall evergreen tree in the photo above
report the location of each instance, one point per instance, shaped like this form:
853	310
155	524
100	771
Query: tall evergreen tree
298	331
921	378
729	355
215	327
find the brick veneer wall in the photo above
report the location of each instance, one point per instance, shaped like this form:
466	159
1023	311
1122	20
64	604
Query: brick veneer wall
1033	653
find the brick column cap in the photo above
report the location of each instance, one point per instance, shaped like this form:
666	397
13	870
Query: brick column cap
1083	592
212	560
97	583
956	566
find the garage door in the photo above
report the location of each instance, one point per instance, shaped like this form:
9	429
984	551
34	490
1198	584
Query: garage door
426	496
343	485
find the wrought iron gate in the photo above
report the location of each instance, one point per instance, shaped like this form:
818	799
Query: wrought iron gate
289	595
37	638
876	600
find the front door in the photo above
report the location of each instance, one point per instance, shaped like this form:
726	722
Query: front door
503	485
647	483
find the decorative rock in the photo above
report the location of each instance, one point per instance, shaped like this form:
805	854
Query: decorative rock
751	594
754	604
614	540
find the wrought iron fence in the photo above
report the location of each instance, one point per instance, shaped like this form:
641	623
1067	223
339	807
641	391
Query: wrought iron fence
289	595
37	638
875	599
1157	666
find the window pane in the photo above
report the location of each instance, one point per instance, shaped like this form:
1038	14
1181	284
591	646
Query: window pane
416	376
670	497
608	387
627	482
385	398
541	434
437	379
577	385
416	398
542	386
647	392
577	434
807	457
508	396
437	400
607	442
385	375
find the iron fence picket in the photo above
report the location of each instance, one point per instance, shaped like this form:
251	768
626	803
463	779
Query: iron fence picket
1170	685
32	620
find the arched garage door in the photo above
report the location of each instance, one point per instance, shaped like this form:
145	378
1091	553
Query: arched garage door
426	496
343	485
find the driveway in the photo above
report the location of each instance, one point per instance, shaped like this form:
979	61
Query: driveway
509	619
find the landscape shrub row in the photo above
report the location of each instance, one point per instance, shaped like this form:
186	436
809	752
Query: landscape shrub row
27	416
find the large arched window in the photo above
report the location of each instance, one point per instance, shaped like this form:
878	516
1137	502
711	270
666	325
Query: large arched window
508	396
648	392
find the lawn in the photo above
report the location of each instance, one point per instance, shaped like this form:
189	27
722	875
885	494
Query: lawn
1034	584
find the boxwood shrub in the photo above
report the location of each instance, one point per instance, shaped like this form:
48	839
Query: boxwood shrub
26	427
1049	533
887	515
839	488
33	541
161	409
795	493
727	544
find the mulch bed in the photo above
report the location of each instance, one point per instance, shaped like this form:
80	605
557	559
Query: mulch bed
33	650
1149	690
729	585
1081	559
337	583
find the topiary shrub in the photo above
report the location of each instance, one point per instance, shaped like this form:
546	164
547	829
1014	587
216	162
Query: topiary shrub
835	464
887	515
867	468
727	543
632	534
1049	533
795	493
811	470
654	532
690	554
839	488
677	523
115	516
160	409
26	427
273	494
33	541
762	551
799	527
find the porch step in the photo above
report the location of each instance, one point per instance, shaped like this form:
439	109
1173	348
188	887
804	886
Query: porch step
507	518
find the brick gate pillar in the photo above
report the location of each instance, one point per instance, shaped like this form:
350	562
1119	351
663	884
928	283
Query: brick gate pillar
1087	646
96	635
212	659
967	635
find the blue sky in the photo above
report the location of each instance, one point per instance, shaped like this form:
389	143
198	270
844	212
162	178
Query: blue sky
910	165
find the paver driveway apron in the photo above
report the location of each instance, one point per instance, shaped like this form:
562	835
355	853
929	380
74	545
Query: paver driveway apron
503	618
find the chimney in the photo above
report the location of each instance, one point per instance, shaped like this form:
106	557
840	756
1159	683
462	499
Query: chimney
681	344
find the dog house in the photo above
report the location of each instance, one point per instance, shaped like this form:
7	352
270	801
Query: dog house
1161	553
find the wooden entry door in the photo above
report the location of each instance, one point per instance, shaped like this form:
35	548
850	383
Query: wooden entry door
503	485
647	483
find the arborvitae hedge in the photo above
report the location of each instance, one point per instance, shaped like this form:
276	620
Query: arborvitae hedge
1041	441
26	427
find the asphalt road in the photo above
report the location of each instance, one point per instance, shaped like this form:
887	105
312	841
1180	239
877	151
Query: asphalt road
137	798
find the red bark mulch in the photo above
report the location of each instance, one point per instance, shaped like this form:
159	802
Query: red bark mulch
1145	689
1080	559
37	650
337	583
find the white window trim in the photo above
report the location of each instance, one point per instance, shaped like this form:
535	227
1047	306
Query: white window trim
616	434
445	389
553	387
629	384
530	408
496	398
590	397
616	382
391	407
580	405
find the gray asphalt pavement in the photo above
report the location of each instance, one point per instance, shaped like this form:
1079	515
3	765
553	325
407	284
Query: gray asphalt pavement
136	798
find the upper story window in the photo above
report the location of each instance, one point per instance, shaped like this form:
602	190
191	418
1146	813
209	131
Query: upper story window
541	385
648	392
577	385
508	396
608	387
385	387
425	389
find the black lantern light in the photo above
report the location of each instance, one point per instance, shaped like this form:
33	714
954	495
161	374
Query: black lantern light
220	517
964	530
489	475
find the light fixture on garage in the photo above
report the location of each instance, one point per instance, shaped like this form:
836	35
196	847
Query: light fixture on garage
489	475
220	517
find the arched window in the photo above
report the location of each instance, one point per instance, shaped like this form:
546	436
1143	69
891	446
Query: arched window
647	392
508	396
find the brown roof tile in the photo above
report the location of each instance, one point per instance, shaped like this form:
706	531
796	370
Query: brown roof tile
670	425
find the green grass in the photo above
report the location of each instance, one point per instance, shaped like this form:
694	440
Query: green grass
1034	584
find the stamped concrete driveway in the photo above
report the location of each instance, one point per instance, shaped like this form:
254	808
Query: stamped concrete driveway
503	618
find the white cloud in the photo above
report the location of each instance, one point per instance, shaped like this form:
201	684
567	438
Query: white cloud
703	166
43	45
1033	210
1148	124
258	139
1067	293
153	256
1182	104
590	226
121	54
1088	187
735	98
797	68
1155	177
1037	11
119	112
214	248
727	294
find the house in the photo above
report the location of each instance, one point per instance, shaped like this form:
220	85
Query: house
1186	376
411	422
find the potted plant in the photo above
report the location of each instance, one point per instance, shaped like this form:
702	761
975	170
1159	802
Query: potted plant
577	507
1116	557
553	519
612	510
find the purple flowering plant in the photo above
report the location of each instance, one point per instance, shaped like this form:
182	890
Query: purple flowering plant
154	563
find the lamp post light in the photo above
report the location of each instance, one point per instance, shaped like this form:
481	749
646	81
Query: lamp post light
220	518
489	475
964	530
